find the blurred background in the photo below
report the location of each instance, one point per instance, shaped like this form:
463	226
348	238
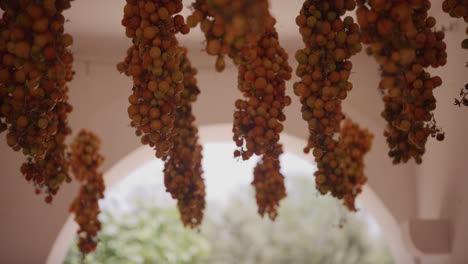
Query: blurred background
141	223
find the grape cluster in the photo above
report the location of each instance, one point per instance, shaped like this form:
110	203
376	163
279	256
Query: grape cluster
324	67
85	161
244	31
262	80
183	170
153	63
269	183
35	67
355	142
340	165
230	25
85	158
33	72
458	9
401	39
49	173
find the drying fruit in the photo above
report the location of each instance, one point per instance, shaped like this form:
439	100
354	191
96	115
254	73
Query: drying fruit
85	163
183	170
262	80
153	63
355	142
331	38
34	71
48	174
244	31
230	25
401	38
269	183
35	68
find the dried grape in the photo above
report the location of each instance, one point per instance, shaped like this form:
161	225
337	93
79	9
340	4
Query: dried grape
183	170
331	38
85	162
269	183
34	71
401	39
153	63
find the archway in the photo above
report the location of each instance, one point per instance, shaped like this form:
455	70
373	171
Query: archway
217	133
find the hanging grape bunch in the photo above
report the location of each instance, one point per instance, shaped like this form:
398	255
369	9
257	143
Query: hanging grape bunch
153	63
183	170
324	66
458	9
355	142
401	38
244	30
49	173
35	68
35	55
230	25
269	183
324	70
262	80
85	162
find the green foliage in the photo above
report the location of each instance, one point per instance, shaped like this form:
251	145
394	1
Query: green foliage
307	230
147	234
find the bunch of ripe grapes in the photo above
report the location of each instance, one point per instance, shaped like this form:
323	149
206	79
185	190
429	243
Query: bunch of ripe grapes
458	9
85	158
324	69
230	25
85	162
262	80
35	67
324	66
402	40
340	163
153	62
269	183
356	142
244	31
183	170
49	173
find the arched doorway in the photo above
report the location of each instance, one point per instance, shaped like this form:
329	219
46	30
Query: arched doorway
369	201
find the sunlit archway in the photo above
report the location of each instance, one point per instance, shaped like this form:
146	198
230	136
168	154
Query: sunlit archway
223	182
